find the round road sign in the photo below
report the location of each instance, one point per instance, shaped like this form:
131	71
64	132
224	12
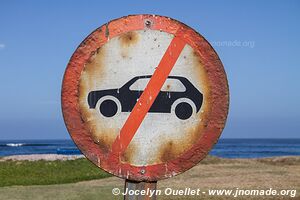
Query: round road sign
145	97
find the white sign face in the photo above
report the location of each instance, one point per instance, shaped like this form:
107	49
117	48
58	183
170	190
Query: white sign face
145	97
114	79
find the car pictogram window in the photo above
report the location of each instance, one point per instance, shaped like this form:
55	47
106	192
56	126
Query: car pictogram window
173	85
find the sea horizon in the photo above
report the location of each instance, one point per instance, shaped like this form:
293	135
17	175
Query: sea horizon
225	148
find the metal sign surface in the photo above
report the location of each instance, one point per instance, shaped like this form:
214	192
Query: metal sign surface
145	97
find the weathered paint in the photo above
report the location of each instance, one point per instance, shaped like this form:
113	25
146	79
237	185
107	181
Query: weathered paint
150	189
163	145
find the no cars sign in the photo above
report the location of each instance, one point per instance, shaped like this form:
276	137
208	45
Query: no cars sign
145	97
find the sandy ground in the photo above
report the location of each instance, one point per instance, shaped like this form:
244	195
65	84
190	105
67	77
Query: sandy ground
48	157
213	173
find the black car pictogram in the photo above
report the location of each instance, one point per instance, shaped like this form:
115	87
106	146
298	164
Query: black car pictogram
183	103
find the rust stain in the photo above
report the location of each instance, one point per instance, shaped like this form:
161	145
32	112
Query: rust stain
202	75
193	134
175	148
168	152
93	67
124	54
104	139
93	70
106	30
127	156
95	62
129	38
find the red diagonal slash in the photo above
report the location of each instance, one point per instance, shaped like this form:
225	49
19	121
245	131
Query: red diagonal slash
147	98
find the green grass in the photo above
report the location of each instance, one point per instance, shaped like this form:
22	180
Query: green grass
48	172
212	173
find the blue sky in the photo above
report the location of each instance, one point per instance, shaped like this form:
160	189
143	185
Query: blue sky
257	41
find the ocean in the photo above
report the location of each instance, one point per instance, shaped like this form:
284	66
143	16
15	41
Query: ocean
226	148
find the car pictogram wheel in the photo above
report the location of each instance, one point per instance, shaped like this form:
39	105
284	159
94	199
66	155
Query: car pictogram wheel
183	108
108	106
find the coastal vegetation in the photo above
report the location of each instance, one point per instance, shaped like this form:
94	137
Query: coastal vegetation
42	172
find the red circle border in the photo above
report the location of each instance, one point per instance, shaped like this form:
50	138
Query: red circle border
217	81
